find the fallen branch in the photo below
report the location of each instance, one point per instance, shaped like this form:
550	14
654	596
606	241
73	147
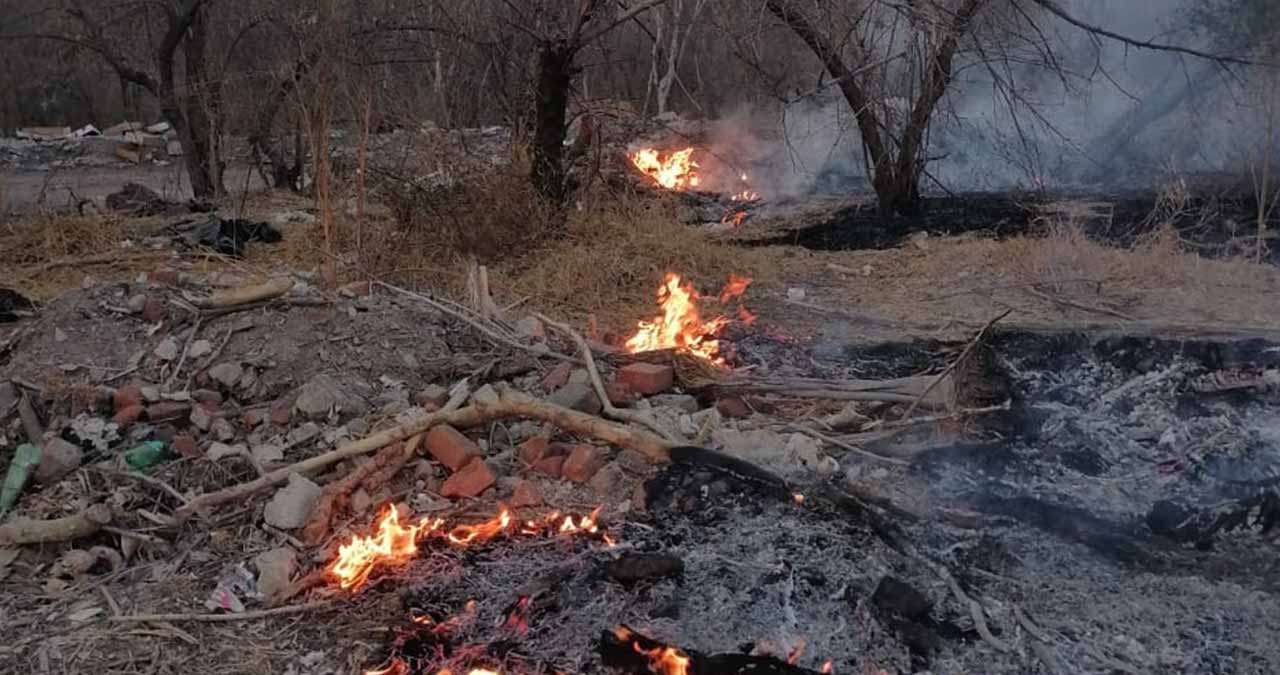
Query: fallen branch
221	618
245	294
973	344
631	416
847	446
28	531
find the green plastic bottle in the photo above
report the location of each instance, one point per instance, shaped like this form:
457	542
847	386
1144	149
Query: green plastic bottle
25	460
146	455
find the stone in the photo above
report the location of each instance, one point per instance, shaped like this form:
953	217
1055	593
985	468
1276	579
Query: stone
220	451
551	466
222	429
620	395
227	374
275	570
268	453
151	393
304	434
533	449
582	463
59	335
200	349
126	396
167	350
531	327
485	395
647	379
577	396
526	493
127	416
154	311
733	407
470	481
292	504
253	418
136	303
202	416
608	481
323	393
207	397
281	411
579	376
682	402
185	445
450	447
557	377
168	410
58	457
432	397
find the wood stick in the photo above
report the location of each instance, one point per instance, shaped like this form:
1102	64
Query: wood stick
514	403
634	417
246	294
973	344
847	446
28	531
221	618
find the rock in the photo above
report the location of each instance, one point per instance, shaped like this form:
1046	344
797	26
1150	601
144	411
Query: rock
323	393
154	311
432	397
185	445
582	463
281	411
127	416
136	303
275	569
220	451
470	481
647	379
795	294
207	397
304	434
126	396
557	377
450	447
808	452
682	402
485	395
59	335
292	504
253	418
151	393
200	349
167	350
620	395
526	493
759	446
58	458
608	481
580	376
733	407
226	374
533	449
531	327
202	416
222	429
577	396
167	410
268	453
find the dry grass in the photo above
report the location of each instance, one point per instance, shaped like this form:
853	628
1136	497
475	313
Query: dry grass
34	248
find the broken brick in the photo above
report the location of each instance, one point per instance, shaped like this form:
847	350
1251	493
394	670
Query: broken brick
577	396
126	396
534	449
126	416
557	377
185	445
470	481
647	379
163	277
253	417
620	395
550	466
154	311
526	494
281	411
733	407
582	463
450	447
167	410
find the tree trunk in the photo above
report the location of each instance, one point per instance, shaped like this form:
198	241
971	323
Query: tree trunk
555	74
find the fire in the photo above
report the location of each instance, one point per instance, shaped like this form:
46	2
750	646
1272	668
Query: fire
681	325
394	543
734	219
662	660
676	172
828	667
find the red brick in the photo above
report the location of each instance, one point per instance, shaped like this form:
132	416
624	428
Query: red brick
733	407
126	416
450	447
280	412
526	494
620	395
163	277
166	410
557	377
154	311
583	463
185	444
473	479
647	379
126	397
550	466
534	449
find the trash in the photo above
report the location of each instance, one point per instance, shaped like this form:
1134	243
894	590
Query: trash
159	128
43	133
25	460
292	504
94	431
275	568
85	131
200	349
146	454
226	236
235	583
14	306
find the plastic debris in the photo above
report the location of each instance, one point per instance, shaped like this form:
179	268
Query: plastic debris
25	460
147	454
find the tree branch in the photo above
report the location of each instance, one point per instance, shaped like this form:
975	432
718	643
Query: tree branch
618	21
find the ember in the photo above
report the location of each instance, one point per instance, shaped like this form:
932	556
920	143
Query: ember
681	325
394	544
676	172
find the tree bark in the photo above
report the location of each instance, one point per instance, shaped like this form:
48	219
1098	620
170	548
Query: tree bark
555	75
202	104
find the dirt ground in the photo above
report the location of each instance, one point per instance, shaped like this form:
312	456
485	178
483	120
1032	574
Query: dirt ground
134	598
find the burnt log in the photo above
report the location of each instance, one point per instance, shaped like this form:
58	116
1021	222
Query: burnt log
635	566
630	652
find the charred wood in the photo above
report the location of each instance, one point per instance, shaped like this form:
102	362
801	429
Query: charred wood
629	651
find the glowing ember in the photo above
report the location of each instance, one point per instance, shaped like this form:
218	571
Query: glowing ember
675	172
734	219
828	667
394	544
662	660
681	325
799	498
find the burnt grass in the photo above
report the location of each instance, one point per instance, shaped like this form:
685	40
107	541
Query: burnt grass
1210	224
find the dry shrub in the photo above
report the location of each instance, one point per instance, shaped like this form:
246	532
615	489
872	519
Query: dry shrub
40	238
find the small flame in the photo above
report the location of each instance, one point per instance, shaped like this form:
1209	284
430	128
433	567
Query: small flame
734	219
799	498
675	172
681	325
828	667
393	544
662	660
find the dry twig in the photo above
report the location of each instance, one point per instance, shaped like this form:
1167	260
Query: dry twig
222	618
973	344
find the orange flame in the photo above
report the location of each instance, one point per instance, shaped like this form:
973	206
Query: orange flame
681	325
828	667
662	660
734	219
675	172
393	544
